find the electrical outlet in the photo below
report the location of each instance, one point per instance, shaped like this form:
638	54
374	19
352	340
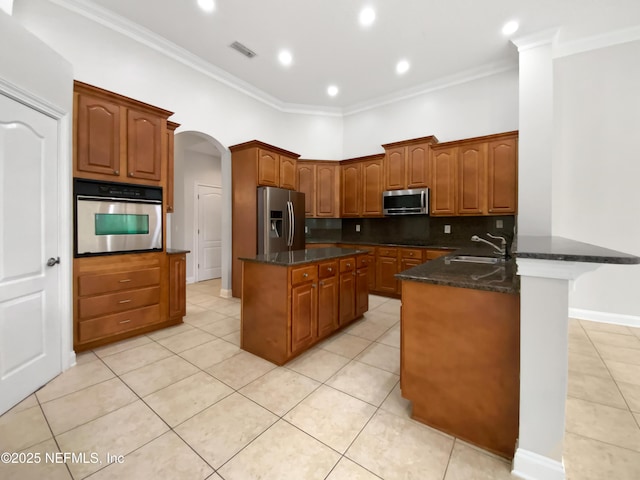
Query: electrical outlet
447	229
306	229
357	228
499	224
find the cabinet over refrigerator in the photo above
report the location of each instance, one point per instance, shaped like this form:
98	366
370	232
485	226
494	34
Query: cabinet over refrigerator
280	220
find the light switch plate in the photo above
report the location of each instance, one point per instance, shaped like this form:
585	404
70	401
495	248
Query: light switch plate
447	229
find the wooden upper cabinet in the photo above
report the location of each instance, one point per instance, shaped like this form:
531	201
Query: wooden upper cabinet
287	172
418	165
471	179
98	135
502	167
144	145
406	164
350	187
268	168
117	138
168	195
443	181
327	191
372	188
306	180
394	169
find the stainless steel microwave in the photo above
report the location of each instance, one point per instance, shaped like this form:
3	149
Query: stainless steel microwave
406	202
116	218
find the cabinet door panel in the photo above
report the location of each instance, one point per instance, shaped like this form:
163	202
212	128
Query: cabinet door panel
372	188
443	181
503	176
287	173
177	286
144	145
303	315
97	136
326	191
362	291
471	179
347	297
394	178
386	267
327	305
306	185
417	166
350	186
268	169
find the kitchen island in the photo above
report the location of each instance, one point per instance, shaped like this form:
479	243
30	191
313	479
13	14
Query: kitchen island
292	300
460	334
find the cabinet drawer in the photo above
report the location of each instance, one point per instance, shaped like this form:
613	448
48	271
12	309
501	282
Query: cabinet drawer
347	264
117	302
365	260
328	269
99	327
431	254
113	282
411	253
304	274
387	252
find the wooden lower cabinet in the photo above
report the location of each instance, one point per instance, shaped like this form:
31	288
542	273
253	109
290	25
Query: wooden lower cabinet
304	303
177	285
460	362
119	296
386	270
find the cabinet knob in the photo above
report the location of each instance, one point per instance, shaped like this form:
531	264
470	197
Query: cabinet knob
131	174
330	269
313	285
305	275
411	254
117	172
322	283
348	265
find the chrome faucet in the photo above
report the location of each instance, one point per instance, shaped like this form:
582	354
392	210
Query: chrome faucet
502	249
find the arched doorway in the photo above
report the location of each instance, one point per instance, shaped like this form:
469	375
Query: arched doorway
201	207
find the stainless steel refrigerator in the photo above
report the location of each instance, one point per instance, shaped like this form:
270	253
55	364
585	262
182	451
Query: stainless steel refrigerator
280	220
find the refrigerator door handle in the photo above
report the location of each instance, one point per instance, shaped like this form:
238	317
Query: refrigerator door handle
291	223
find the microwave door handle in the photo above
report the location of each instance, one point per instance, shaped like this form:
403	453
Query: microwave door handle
422	199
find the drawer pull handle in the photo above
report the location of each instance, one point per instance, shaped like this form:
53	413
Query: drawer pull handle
411	254
313	285
125	280
321	284
330	269
305	275
125	321
348	265
125	301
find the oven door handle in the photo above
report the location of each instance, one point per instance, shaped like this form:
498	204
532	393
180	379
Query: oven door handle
111	199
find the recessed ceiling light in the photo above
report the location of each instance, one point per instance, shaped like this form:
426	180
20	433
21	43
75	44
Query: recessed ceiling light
332	90
367	16
285	58
206	5
402	67
510	27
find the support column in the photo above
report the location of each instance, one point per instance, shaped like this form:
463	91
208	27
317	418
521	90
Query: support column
544	306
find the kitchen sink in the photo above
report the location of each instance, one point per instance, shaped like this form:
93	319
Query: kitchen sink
476	259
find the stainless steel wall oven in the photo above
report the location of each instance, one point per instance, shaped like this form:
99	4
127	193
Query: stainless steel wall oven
114	217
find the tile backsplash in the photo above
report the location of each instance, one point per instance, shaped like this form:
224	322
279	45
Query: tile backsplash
409	229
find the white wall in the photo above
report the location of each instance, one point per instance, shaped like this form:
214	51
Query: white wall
113	61
190	168
596	198
480	107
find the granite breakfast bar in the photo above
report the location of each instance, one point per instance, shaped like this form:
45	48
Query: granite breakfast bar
460	333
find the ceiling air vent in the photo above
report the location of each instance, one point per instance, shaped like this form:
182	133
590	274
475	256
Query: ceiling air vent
243	50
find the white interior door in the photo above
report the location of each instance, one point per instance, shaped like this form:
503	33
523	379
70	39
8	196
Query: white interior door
209	261
30	323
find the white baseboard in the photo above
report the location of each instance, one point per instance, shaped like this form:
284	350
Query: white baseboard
225	293
71	361
531	466
191	280
605	317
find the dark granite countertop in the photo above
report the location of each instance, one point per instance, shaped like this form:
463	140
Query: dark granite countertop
399	243
176	251
298	257
564	249
500	277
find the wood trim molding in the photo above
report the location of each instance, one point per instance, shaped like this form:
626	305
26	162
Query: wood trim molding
258	143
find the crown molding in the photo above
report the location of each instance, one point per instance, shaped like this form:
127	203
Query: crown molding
117	23
534	40
596	42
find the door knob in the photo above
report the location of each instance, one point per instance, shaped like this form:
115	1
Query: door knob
52	261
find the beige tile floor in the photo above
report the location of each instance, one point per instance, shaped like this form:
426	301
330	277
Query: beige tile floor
186	403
